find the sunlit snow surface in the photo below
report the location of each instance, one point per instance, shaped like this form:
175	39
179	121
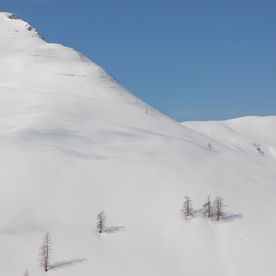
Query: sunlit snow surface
74	142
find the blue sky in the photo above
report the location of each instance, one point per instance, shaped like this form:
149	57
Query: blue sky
193	60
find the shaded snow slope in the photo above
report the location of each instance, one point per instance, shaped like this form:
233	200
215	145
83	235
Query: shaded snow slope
74	142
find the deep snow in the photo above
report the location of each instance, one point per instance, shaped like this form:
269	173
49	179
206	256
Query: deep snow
74	142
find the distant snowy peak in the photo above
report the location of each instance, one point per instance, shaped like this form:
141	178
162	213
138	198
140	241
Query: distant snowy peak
247	134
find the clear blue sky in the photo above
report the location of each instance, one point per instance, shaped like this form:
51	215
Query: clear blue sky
191	59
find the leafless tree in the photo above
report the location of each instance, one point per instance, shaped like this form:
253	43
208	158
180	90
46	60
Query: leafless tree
207	209
45	251
101	222
26	273
187	209
217	208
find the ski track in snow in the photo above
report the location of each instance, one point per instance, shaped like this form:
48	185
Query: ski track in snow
222	244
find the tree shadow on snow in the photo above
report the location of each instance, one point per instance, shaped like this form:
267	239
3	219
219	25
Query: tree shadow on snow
197	212
229	217
64	264
114	229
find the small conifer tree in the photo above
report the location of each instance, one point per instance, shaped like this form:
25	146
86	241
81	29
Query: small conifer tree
217	208
45	251
101	222
207	209
187	209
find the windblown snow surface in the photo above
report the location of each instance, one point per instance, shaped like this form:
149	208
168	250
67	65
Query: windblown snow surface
74	142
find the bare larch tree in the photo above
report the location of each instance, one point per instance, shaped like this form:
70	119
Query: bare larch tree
101	222
207	209
187	209
217	208
45	251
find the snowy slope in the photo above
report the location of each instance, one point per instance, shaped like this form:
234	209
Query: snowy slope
246	135
74	142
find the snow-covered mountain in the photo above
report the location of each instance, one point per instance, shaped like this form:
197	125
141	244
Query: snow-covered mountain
74	142
246	135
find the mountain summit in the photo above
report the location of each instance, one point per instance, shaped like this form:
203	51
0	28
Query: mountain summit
74	143
54	93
